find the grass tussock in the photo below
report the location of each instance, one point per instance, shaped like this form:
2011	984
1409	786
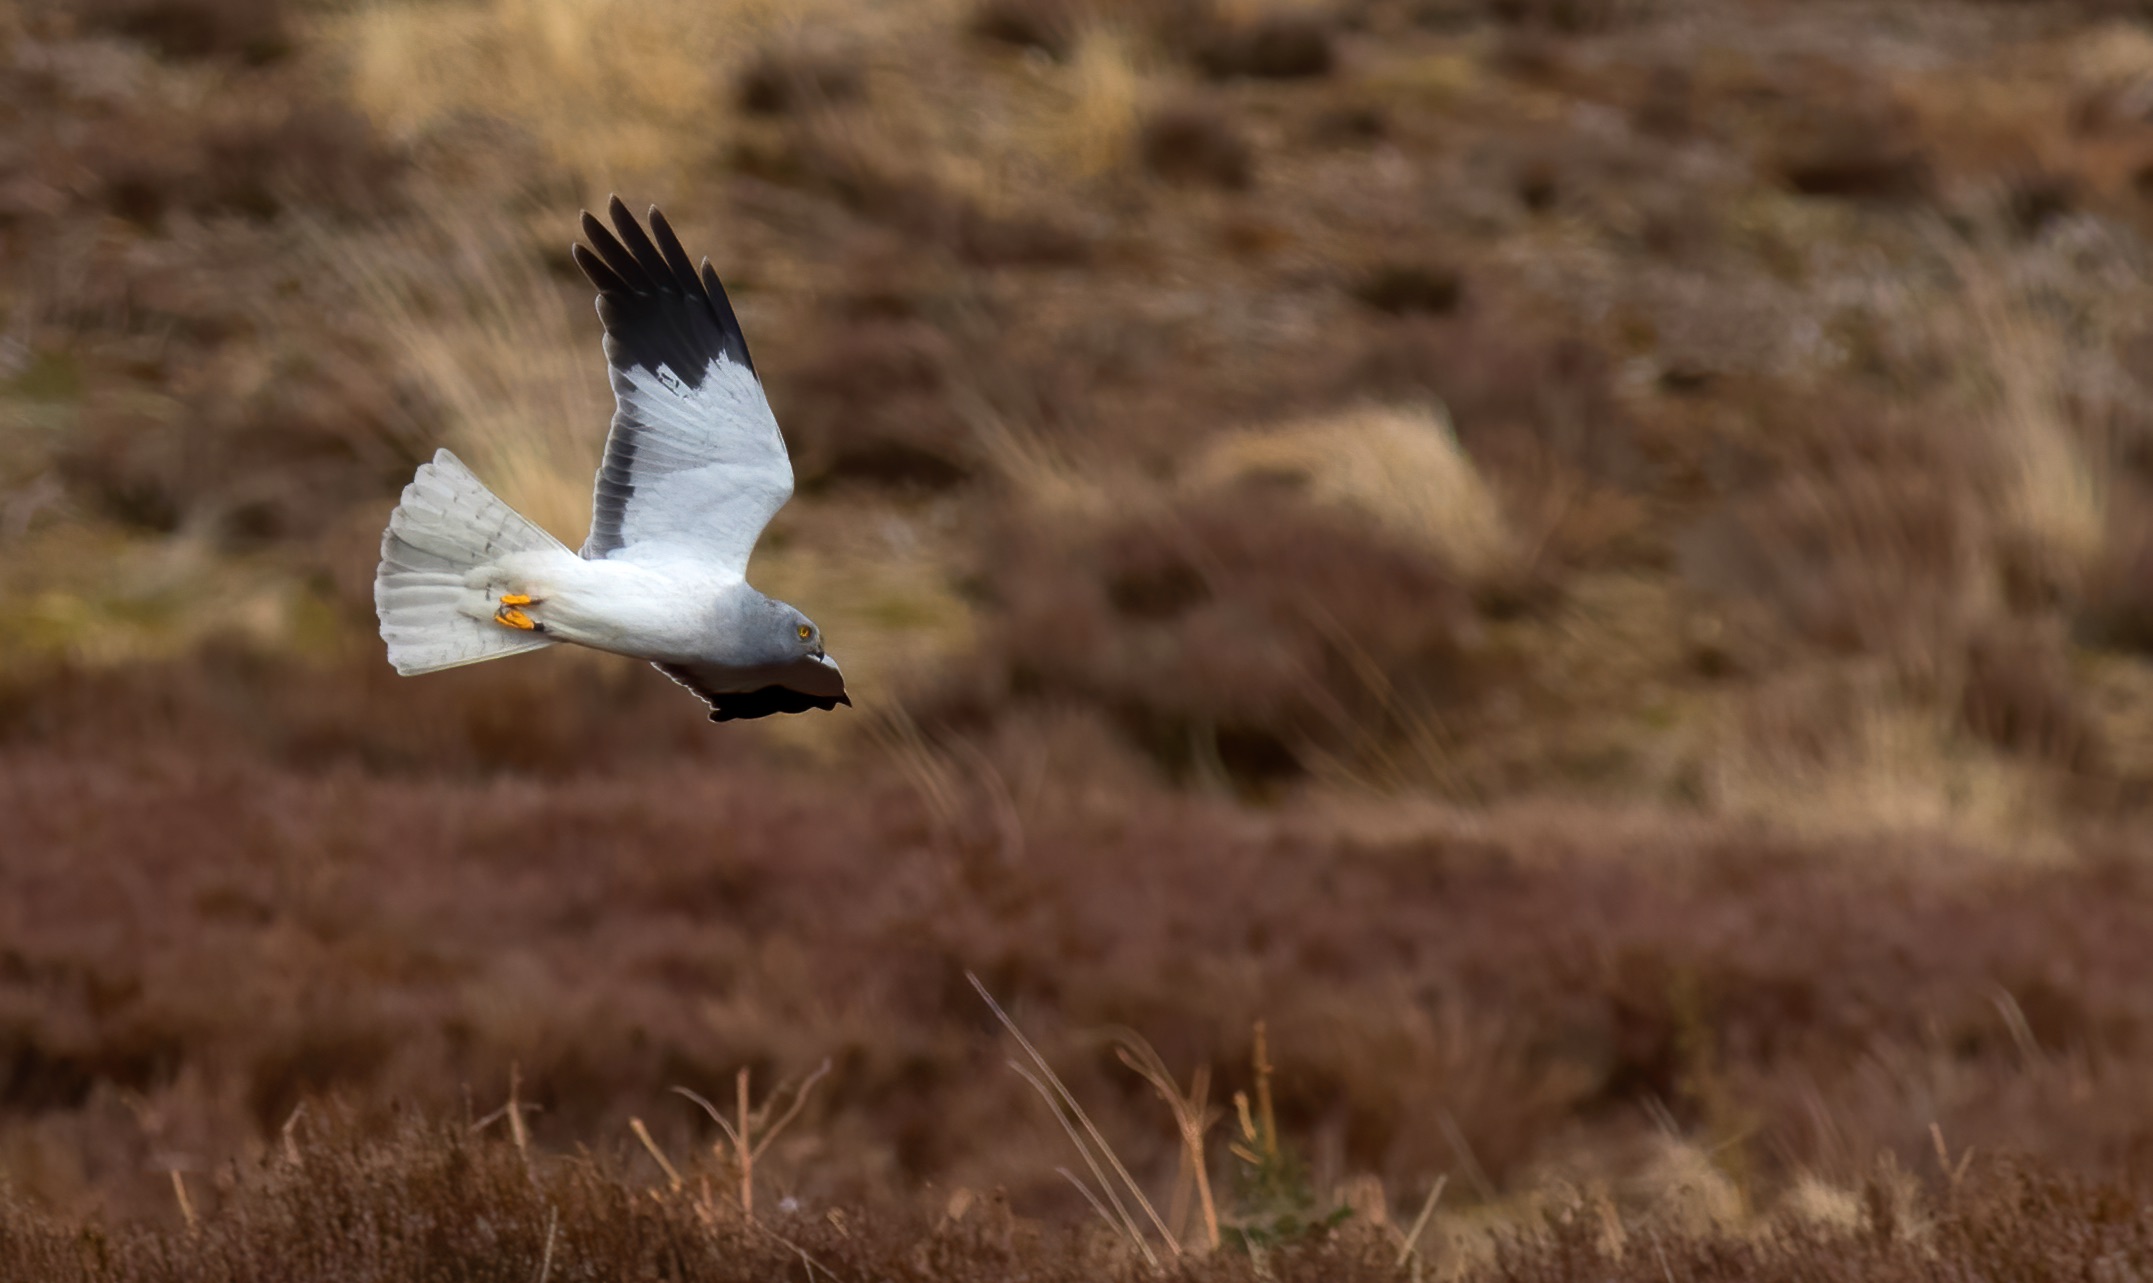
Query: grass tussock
1401	466
1843	761
1108	99
493	341
604	90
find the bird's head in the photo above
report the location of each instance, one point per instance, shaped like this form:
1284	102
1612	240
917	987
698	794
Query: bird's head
800	632
788	638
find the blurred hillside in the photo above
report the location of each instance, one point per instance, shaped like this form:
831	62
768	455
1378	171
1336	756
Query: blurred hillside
1588	560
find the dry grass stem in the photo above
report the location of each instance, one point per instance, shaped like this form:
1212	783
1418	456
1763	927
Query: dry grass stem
545	1262
186	1204
288	1134
1410	1247
1482	1186
642	1133
1061	1092
1192	1118
749	1136
1127	1226
1117	1228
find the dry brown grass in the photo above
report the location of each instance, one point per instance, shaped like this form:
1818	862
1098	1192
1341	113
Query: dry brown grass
611	93
1400	466
496	342
431	1201
1107	100
335	1195
1837	763
2060	468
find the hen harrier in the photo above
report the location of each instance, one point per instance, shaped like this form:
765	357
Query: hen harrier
694	469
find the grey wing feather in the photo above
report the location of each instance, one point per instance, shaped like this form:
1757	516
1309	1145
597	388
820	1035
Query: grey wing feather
695	459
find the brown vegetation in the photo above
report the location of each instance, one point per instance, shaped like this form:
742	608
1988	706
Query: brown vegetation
1189	143
181	968
433	1202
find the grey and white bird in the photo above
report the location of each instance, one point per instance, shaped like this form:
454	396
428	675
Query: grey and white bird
694	468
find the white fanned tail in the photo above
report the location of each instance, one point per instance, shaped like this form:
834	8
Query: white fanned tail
435	607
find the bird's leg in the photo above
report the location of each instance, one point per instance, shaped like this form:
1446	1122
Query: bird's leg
511	617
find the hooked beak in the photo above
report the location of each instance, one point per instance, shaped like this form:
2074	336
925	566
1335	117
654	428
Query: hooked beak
825	679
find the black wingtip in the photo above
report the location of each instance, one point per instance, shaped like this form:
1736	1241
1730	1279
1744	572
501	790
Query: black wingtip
623	221
602	278
593	231
649	261
669	248
658	313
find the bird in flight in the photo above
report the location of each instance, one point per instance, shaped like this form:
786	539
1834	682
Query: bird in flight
694	468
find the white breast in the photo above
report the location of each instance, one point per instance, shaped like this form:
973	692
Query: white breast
662	611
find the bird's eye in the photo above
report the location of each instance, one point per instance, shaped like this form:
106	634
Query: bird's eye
806	632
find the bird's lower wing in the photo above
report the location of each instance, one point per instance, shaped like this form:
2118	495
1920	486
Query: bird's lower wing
753	694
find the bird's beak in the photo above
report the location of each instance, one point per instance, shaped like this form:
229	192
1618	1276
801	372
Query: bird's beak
824	679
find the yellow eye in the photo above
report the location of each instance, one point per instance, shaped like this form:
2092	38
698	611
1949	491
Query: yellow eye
806	632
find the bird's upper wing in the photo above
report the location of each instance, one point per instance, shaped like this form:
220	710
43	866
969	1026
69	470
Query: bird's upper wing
695	464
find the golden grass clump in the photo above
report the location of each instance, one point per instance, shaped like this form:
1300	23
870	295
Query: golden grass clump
1402	466
508	354
2115	61
2056	477
1107	96
1879	764
610	89
2025	357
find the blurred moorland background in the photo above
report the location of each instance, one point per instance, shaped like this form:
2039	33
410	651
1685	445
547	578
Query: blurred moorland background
1587	562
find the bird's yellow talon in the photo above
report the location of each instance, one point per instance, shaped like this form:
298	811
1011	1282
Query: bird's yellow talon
510	617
